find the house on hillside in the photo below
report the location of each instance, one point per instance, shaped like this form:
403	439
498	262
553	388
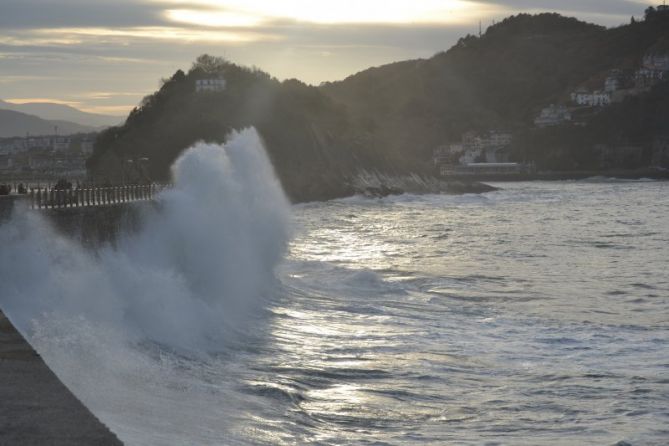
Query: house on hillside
552	115
645	78
209	85
488	147
656	61
614	81
591	99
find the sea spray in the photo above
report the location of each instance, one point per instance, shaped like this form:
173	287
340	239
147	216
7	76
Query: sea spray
199	267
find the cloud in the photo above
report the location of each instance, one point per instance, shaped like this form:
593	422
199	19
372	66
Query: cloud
70	49
27	14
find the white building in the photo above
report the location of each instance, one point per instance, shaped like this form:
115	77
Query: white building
60	143
553	115
489	147
207	85
470	156
656	61
594	99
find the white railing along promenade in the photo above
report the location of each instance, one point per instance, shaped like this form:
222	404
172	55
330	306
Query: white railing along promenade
90	196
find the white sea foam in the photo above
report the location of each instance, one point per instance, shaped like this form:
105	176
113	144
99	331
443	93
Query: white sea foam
199	267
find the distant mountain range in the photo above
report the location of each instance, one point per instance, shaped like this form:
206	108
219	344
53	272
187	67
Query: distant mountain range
60	112
14	123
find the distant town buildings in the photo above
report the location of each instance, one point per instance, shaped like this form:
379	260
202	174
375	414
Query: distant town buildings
553	115
210	85
45	156
614	81
656	61
87	146
6	162
591	99
486	153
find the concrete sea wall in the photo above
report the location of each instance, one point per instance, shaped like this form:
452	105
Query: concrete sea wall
36	408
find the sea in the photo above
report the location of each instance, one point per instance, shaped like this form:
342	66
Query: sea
537	314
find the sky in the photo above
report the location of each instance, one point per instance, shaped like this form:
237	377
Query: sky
104	56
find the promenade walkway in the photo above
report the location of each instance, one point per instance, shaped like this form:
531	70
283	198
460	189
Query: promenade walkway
35	407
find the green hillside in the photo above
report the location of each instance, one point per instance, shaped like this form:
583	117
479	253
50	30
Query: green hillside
500	80
391	118
310	138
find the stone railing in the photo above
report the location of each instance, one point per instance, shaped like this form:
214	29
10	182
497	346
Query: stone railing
91	196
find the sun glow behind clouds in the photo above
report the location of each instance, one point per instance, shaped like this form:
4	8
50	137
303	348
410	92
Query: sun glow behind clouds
213	18
250	12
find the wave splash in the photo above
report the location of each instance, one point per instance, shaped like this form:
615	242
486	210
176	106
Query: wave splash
200	266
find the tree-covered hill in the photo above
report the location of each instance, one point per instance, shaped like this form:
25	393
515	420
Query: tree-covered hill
311	140
499	80
390	118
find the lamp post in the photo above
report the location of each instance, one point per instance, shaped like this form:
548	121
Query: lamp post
129	164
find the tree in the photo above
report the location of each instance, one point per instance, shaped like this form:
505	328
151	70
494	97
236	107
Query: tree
650	11
209	64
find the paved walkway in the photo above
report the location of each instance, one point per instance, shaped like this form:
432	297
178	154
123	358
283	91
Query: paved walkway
35	407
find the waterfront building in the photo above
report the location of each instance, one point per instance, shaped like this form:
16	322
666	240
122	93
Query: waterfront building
553	115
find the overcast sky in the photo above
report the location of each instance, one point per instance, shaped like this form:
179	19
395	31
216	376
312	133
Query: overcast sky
104	56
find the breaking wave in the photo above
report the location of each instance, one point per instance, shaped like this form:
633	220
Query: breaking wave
198	269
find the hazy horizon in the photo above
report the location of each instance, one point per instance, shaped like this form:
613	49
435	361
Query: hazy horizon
98	58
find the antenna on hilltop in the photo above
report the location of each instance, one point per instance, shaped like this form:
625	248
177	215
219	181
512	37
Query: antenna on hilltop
481	28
